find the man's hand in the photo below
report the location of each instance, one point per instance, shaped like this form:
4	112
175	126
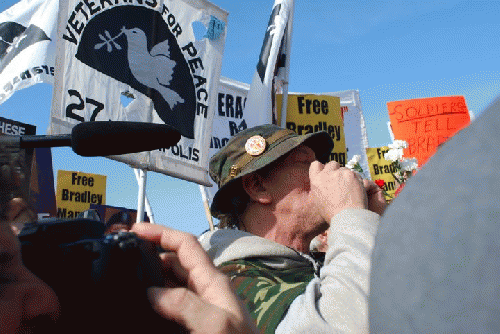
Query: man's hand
335	189
201	300
376	199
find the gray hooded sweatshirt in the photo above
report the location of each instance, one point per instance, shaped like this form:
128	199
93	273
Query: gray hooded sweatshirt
333	302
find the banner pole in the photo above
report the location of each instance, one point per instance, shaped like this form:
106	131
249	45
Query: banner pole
149	211
141	195
286	75
204	198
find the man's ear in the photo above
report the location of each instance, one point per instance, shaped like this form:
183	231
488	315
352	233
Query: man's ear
253	186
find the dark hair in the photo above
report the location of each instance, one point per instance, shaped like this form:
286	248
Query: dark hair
122	217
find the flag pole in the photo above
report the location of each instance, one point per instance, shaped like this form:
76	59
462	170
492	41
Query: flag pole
286	74
204	197
141	195
147	206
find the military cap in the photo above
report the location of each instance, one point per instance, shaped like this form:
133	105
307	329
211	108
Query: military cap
253	149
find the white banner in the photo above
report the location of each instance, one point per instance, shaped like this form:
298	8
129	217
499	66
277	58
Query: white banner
27	47
356	139
230	118
145	50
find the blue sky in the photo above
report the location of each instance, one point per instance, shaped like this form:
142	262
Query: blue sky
388	50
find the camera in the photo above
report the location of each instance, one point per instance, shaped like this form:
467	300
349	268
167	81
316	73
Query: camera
100	280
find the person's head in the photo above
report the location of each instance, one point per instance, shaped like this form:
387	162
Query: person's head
267	166
119	222
27	305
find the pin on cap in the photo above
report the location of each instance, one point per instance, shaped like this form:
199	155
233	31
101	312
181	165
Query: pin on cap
255	145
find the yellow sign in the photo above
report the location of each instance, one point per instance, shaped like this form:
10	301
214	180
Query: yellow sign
381	169
312	113
77	190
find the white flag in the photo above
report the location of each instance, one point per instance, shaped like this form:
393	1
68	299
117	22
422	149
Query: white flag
356	139
27	45
273	56
146	50
235	110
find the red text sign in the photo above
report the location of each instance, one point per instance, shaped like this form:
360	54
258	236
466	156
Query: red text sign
427	123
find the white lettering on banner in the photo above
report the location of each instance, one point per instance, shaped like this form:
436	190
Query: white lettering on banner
12	129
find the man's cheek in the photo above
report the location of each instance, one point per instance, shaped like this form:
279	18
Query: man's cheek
39	299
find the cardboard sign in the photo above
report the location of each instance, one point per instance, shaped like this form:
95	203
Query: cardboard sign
308	113
382	169
76	191
427	123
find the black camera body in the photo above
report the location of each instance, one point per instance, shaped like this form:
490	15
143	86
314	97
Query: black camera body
100	280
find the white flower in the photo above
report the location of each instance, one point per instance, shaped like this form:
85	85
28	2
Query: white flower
398	144
409	165
394	154
352	163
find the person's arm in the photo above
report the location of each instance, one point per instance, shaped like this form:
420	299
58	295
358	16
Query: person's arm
201	300
337	300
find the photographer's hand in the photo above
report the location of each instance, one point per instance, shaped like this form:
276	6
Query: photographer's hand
205	303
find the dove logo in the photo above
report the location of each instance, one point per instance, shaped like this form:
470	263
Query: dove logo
15	38
153	68
135	45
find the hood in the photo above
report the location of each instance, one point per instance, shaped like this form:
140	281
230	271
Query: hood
226	245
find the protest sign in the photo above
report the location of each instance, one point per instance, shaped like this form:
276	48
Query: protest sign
308	113
27	46
382	169
427	123
76	191
146	50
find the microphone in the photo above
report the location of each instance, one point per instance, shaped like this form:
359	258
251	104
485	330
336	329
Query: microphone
102	138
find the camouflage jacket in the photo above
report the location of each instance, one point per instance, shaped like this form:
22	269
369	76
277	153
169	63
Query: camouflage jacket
266	291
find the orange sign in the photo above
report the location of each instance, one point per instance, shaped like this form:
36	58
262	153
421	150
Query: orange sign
427	123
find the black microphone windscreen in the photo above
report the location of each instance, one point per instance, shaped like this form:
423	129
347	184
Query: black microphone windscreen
115	138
